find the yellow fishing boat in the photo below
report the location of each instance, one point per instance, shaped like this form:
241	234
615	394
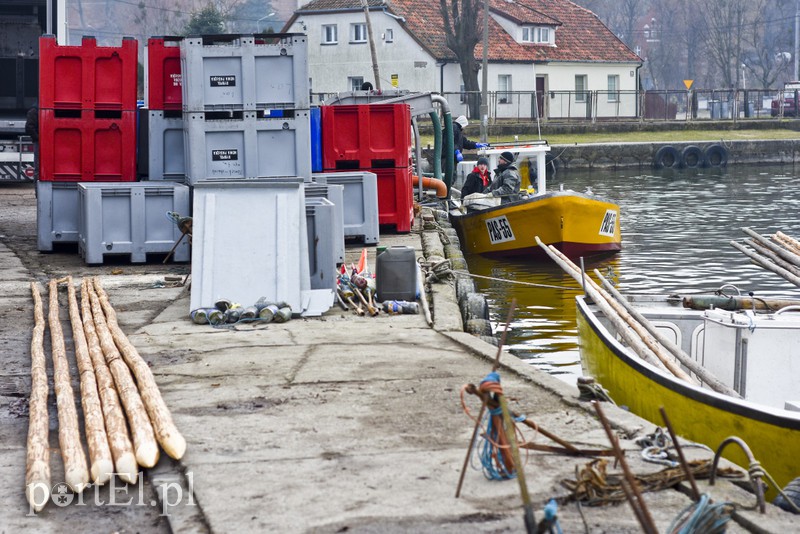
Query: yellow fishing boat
578	224
757	355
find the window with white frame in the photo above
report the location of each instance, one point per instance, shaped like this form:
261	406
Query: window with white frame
504	89
388	35
535	34
581	85
613	88
355	82
330	34
358	32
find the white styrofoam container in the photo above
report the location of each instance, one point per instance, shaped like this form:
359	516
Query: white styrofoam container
249	241
131	218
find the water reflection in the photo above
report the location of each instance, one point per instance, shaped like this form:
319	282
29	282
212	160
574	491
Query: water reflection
676	228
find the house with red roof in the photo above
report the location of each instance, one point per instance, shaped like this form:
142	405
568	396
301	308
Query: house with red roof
554	47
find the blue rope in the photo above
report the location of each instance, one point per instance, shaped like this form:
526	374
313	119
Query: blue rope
489	454
705	518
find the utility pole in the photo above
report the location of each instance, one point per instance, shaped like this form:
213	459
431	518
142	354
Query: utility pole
485	74
372	52
796	40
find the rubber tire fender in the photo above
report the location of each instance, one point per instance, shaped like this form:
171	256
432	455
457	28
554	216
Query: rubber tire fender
666	156
792	491
716	155
692	157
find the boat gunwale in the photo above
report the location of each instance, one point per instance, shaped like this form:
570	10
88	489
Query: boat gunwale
749	409
530	200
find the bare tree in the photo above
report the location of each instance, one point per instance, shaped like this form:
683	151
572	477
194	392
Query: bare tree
725	37
462	26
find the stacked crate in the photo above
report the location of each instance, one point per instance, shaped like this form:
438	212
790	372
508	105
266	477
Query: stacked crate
161	141
87	127
246	107
374	138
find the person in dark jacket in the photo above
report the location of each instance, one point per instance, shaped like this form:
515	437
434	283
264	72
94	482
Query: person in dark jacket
460	141
506	181
478	179
32	130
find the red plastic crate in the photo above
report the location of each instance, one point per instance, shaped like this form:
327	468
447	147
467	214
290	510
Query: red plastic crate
366	136
87	148
395	198
164	80
88	76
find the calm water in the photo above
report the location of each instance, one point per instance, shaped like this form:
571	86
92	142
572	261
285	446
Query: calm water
676	229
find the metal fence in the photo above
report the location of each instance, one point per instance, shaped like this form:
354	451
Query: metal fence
559	106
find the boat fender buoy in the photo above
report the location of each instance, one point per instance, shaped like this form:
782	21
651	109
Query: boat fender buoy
716	155
692	157
666	156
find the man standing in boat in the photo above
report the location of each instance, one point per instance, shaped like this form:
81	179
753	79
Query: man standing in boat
506	181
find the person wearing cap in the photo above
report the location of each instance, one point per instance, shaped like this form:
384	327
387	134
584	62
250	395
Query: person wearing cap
506	181
478	179
460	141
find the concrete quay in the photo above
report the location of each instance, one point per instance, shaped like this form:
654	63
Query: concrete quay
330	424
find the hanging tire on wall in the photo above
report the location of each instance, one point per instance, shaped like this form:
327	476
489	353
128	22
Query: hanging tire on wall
666	156
716	156
692	157
792	492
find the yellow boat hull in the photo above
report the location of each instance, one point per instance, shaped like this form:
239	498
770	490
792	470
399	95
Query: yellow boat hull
695	413
577	224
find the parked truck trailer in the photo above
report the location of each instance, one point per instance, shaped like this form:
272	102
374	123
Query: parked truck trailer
22	22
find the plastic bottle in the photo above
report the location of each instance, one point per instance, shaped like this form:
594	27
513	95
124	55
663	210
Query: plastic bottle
397	307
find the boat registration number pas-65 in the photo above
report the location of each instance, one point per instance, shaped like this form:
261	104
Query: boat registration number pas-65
609	223
499	230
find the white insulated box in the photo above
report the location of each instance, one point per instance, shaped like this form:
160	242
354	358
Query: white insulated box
249	241
245	72
57	217
246	148
360	202
131	219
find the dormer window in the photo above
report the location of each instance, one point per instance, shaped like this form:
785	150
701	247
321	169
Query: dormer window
536	34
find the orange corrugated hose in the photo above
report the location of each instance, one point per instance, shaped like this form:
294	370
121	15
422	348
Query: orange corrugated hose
432	183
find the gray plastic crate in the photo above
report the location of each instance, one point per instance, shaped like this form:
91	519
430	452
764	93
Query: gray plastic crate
161	146
249	241
247	148
321	236
245	72
56	213
360	201
131	219
334	193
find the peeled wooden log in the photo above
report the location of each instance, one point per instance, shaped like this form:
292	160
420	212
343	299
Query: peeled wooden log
787	242
37	460
787	255
102	467
765	263
116	428
144	441
76	474
771	256
167	433
701	372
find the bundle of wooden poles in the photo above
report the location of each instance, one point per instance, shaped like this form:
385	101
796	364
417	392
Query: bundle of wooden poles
125	417
779	254
636	331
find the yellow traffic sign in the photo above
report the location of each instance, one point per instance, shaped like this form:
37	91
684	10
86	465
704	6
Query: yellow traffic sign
395	81
688	84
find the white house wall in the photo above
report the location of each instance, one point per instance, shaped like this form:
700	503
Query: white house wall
330	65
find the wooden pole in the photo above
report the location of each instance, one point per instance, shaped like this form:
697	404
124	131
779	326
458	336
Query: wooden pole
144	441
373	54
495	367
765	263
511	436
37	458
789	256
787	241
102	466
167	433
116	428
686	360
774	258
76	474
